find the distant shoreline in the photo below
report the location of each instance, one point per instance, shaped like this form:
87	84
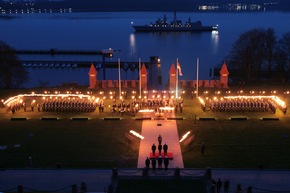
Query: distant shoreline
6	17
12	15
215	6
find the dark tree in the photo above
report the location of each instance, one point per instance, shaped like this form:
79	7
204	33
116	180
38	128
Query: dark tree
282	55
270	44
253	53
12	74
284	44
281	61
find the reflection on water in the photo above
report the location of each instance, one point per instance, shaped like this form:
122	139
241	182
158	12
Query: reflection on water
96	31
132	41
215	41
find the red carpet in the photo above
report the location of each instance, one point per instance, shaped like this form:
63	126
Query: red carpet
169	155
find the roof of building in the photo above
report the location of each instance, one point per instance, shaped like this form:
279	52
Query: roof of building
143	69
93	70
172	69
224	70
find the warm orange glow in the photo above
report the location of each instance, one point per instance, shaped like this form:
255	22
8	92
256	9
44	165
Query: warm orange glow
146	111
184	136
18	97
274	98
136	134
279	101
201	101
97	100
166	108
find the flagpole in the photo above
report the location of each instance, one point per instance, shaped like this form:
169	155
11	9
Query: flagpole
140	91
176	94
197	63
119	69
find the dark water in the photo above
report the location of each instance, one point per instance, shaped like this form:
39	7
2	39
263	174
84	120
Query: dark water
95	31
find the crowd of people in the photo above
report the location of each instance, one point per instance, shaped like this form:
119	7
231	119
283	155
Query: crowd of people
160	147
86	105
53	105
219	184
123	107
14	107
152	104
158	158
155	104
242	105
64	105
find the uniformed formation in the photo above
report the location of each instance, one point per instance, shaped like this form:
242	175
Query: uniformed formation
155	104
65	105
55	105
135	105
14	107
122	107
242	105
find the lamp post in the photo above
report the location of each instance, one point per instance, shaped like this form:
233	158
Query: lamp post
107	53
197	65
119	75
140	84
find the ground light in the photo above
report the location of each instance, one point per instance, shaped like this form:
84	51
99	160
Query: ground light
18	97
184	136
136	134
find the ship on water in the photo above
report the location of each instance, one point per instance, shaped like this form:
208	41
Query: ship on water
162	25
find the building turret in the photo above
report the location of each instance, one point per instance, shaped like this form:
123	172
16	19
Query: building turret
93	77
172	78
224	76
144	74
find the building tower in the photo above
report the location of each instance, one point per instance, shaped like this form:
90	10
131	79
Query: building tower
144	74
224	76
172	78
93	77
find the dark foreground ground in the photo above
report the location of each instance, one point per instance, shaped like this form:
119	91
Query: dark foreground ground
99	180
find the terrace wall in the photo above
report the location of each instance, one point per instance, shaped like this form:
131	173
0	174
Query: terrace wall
182	84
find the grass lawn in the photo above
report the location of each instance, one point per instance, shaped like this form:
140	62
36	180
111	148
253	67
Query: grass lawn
75	144
234	144
97	143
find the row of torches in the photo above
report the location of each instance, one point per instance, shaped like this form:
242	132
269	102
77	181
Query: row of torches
112	95
70	96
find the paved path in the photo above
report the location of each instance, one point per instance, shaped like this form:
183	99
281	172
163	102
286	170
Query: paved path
168	131
98	180
49	180
261	180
